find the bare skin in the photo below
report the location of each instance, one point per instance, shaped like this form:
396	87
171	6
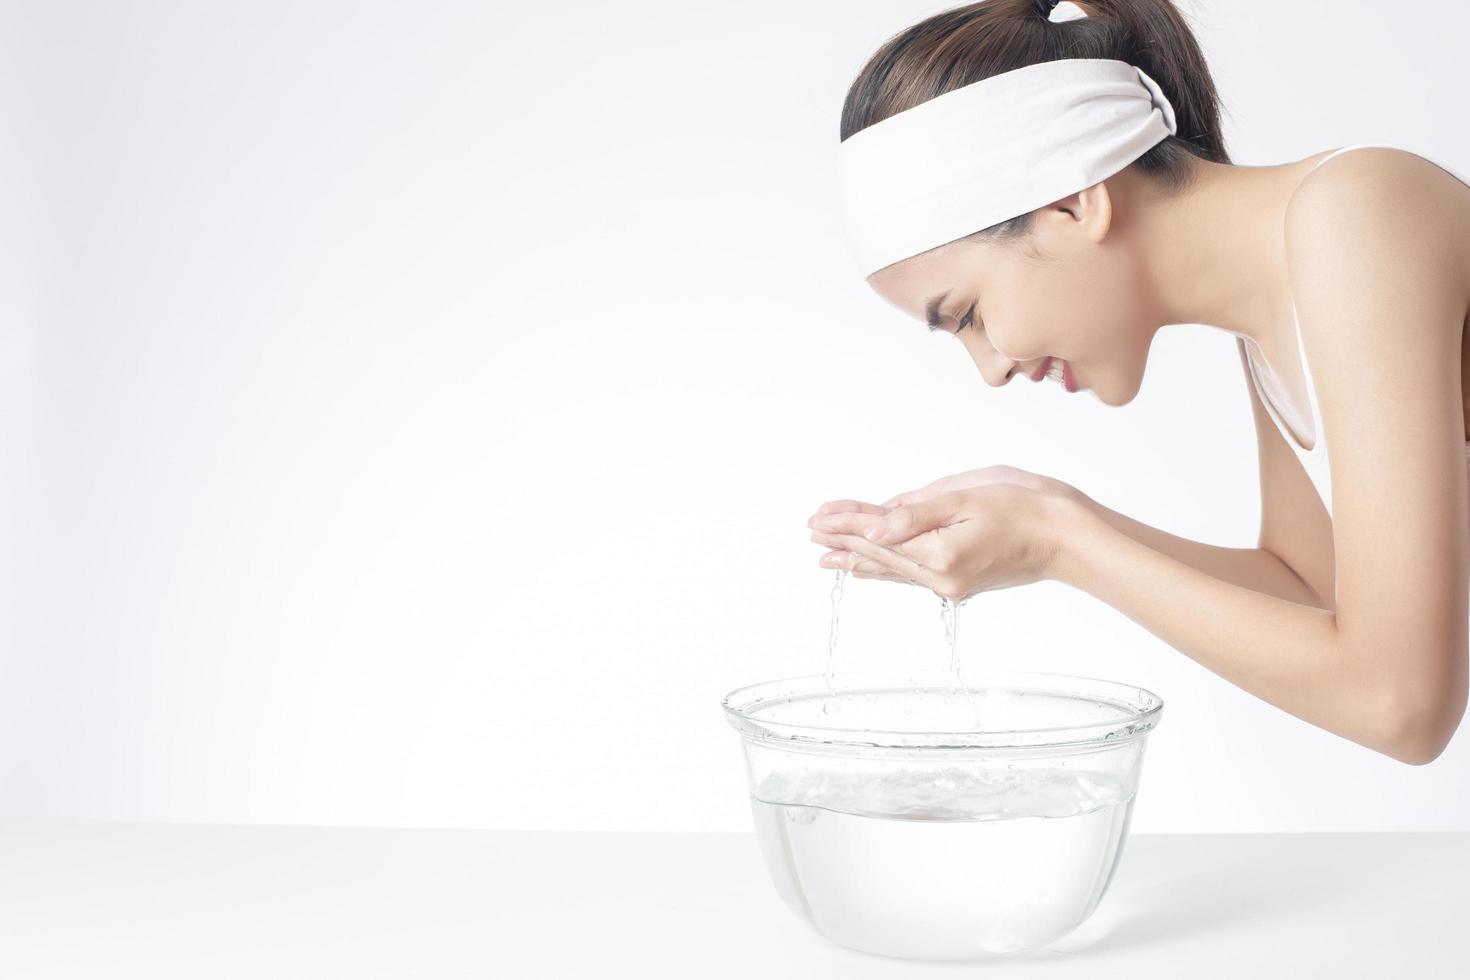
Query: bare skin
1358	624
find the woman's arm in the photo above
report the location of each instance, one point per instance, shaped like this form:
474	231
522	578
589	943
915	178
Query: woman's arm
1253	568
1377	270
1284	651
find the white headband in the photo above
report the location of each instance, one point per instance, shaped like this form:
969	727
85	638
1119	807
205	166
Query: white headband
992	150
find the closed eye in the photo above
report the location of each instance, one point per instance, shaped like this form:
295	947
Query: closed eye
965	321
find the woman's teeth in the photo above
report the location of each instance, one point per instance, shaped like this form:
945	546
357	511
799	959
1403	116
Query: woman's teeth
1054	372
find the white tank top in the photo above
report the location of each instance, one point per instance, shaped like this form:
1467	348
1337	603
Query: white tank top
1314	460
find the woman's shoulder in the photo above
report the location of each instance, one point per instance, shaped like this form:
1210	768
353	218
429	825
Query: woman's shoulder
1378	264
1390	208
1383	177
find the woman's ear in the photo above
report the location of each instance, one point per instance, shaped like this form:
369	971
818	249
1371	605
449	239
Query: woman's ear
1095	210
1084	218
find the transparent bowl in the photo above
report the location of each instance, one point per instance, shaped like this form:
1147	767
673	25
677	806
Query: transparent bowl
904	816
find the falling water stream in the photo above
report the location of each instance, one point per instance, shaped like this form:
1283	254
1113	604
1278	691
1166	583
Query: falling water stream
949	613
827	707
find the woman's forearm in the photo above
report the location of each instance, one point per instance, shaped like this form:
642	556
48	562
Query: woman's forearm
1254	568
1283	651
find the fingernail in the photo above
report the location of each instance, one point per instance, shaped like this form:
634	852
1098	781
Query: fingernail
873	533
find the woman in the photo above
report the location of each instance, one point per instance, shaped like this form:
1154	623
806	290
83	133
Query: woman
1345	278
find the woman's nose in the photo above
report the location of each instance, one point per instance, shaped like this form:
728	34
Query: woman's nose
996	368
1000	372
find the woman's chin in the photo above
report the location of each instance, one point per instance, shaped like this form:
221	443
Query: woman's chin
1111	400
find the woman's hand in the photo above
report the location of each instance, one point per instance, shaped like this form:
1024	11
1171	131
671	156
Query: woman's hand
984	476
986	529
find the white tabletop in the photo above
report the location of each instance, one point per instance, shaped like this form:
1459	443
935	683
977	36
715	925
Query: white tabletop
114	900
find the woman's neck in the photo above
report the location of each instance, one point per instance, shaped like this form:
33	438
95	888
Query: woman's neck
1219	251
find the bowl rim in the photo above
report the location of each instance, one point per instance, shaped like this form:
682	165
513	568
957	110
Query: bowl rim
1142	707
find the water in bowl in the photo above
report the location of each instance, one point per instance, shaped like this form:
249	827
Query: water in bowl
956	862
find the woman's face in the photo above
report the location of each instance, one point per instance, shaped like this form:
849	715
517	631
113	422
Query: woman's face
1073	290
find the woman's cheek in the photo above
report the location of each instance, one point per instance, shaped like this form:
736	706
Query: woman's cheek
1015	342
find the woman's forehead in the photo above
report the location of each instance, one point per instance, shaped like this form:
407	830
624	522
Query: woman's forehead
919	284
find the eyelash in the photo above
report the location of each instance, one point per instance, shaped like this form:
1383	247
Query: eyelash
967	320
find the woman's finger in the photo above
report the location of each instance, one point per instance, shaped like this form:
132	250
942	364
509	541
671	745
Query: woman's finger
911	520
915	560
860	567
913	496
894	560
849	522
898	525
912	530
928	491
843	507
984	476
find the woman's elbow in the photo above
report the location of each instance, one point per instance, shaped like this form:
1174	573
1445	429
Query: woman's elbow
1418	750
1421	727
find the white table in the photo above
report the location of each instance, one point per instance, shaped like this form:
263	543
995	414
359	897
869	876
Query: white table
115	900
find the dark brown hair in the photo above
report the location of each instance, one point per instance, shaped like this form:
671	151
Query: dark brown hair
966	44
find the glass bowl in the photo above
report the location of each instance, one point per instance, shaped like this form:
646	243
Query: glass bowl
902	815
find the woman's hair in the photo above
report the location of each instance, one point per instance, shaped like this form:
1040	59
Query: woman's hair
965	44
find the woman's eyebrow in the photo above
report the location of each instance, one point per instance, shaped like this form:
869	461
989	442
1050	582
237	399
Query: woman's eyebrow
931	310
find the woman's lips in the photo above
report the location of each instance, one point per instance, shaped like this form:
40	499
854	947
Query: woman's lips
1068	379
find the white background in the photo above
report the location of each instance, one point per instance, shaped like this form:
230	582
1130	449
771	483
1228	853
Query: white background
409	413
